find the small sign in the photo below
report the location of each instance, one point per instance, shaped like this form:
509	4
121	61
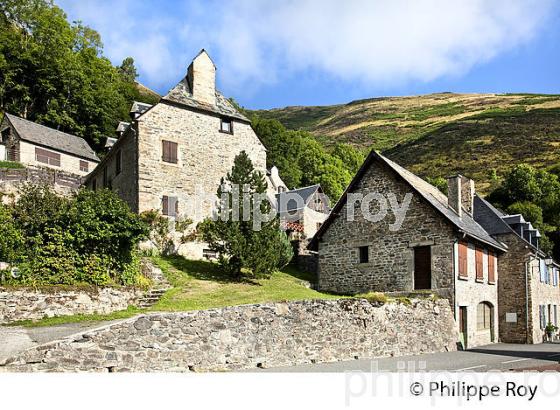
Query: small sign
16	273
511	317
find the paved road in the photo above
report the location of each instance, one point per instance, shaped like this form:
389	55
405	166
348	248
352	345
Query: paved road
17	339
499	356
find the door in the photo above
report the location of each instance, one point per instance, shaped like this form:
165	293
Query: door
463	326
422	268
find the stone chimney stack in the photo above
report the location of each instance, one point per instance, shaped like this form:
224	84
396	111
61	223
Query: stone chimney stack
201	75
460	194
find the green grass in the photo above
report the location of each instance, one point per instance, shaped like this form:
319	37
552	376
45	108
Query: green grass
60	320
201	285
198	285
10	165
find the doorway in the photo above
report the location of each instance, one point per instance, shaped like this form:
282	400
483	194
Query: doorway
422	268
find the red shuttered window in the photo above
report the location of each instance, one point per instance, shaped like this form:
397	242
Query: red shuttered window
47	157
491	267
479	266
463	261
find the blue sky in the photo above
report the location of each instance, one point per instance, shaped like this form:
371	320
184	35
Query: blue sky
317	52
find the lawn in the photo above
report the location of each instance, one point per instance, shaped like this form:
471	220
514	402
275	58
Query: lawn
11	165
198	285
201	285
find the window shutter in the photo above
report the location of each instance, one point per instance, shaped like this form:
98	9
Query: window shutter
479	265
463	261
491	267
176	207
165	205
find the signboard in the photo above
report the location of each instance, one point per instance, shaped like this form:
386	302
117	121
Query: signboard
511	317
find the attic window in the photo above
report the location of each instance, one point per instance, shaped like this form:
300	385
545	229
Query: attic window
169	152
84	166
226	125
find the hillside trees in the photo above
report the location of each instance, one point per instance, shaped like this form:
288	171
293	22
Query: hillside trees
54	72
303	161
536	195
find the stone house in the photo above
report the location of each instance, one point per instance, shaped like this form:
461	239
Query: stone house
528	289
172	155
35	145
438	247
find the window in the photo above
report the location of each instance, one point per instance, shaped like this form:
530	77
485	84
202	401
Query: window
84	166
105	178
169	152
170	206
484	316
226	125
209	254
6	135
364	254
479	266
555	315
118	165
463	260
281	189
47	157
542	270
491	267
542	316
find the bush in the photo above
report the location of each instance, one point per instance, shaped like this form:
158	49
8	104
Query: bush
373	297
89	238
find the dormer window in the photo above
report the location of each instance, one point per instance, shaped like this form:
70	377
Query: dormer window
226	125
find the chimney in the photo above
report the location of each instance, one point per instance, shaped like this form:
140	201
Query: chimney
201	76
460	194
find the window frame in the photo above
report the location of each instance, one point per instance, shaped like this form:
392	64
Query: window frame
486	317
492	263
84	165
479	264
226	120
50	156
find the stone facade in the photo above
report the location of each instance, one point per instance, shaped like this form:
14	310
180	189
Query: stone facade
541	294
29	304
205	153
391	253
250	336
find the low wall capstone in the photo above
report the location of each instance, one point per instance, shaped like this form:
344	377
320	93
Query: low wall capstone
249	336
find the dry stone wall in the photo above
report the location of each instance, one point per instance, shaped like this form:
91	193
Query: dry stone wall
250	336
29	304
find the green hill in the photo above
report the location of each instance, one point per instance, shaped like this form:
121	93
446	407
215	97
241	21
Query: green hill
479	135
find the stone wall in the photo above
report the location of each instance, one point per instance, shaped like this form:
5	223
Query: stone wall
29	304
545	294
250	336
63	183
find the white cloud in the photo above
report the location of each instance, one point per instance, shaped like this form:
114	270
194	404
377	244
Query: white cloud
374	42
371	42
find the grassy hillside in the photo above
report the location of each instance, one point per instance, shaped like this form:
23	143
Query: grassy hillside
479	135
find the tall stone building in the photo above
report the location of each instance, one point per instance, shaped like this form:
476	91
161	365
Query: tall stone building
170	158
529	288
438	246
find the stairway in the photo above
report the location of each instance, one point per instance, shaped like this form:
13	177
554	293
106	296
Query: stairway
151	297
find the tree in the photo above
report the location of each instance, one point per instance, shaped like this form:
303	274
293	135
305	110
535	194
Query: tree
11	239
247	245
128	70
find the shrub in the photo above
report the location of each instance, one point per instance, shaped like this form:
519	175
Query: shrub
373	297
11	239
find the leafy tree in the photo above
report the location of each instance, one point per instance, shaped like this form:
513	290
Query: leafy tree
244	250
439	182
11	239
350	156
54	72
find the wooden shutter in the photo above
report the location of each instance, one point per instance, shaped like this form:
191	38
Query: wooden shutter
491	267
479	266
84	166
463	261
165	205
176	207
169	150
47	157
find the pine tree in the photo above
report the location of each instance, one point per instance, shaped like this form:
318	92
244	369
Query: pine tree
244	249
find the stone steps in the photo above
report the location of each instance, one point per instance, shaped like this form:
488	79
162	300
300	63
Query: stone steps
151	297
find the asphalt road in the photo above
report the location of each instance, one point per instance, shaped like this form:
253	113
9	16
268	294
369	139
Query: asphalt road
500	356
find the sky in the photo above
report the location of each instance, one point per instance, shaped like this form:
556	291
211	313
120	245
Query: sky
320	52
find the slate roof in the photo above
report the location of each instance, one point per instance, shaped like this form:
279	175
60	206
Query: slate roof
51	138
287	203
427	191
140	107
182	94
